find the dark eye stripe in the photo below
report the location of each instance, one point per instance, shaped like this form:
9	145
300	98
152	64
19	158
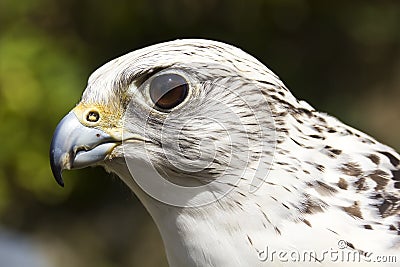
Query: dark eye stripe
168	90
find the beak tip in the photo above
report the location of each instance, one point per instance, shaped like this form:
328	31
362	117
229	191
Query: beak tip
59	180
57	173
56	167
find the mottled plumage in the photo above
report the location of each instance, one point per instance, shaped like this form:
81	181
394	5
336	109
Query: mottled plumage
281	174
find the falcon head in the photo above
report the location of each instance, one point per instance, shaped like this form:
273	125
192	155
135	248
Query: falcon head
186	113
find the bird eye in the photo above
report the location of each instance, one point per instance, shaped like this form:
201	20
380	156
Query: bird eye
168	90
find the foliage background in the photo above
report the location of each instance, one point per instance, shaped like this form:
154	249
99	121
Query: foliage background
342	57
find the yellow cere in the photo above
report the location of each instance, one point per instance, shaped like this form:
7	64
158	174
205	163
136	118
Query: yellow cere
99	116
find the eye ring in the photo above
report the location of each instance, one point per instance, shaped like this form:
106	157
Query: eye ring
168	90
93	116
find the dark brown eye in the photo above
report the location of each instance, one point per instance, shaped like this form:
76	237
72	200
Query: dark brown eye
168	90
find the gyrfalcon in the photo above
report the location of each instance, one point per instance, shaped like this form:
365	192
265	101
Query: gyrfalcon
234	170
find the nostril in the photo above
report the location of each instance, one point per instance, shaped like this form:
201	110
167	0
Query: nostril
93	116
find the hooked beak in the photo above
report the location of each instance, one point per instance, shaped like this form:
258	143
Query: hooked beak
76	146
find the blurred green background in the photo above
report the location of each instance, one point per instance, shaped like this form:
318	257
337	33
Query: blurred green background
342	57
